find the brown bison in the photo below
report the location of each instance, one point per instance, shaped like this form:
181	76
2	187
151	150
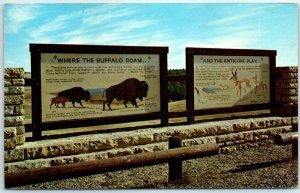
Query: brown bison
75	94
128	90
59	100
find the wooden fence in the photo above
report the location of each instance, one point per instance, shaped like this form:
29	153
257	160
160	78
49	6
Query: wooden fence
174	156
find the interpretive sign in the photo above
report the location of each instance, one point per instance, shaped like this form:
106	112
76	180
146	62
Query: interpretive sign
97	82
226	81
95	78
228	78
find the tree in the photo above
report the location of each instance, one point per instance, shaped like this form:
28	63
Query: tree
176	89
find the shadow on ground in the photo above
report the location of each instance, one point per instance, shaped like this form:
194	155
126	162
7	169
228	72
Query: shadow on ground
255	166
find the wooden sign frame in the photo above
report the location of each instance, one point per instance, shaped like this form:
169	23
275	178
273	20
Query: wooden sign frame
38	49
190	101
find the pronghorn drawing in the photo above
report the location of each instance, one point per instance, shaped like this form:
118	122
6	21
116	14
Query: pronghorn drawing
259	85
240	83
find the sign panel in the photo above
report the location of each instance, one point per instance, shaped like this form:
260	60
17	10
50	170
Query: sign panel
227	81
84	85
104	84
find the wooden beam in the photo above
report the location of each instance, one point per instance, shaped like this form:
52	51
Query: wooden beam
286	138
289	138
107	165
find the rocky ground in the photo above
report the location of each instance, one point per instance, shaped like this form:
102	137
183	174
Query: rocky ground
264	167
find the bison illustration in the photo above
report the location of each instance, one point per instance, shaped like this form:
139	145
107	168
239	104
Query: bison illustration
59	100
128	90
75	94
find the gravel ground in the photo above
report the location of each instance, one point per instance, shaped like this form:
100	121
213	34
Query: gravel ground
264	167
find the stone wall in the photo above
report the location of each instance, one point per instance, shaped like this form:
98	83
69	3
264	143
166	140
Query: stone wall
230	135
287	91
13	109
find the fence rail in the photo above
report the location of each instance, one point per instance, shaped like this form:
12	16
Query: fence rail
110	164
289	138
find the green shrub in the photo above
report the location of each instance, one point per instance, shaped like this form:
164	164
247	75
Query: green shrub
176	89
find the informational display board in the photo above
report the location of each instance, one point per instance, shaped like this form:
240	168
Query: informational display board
96	74
98	84
229	80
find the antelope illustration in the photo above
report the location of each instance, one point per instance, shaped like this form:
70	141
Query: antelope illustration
240	83
259	85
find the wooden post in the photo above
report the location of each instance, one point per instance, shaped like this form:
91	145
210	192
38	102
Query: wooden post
36	93
190	85
163	61
175	166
